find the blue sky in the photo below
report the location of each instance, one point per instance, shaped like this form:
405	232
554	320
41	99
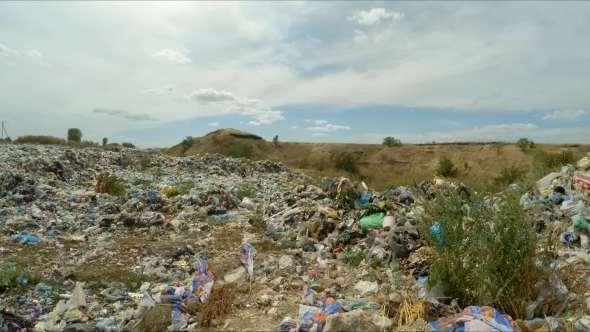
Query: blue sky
154	72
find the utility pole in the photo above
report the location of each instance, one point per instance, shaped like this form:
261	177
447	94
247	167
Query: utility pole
4	131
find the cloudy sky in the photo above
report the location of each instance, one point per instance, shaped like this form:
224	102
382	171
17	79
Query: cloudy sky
155	72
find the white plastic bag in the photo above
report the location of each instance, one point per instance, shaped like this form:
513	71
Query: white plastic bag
574	207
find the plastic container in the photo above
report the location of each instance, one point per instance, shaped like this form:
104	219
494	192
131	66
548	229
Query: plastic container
388	222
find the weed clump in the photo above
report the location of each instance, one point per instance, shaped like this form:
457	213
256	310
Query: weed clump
321	164
303	163
245	190
544	163
12	277
485	252
145	162
171	192
111	185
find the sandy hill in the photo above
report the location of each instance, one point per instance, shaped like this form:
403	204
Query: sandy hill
476	162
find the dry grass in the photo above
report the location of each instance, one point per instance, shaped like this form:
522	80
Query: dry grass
378	165
218	306
228	238
410	310
157	319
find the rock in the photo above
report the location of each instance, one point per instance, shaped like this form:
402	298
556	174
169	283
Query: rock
237	275
272	311
356	320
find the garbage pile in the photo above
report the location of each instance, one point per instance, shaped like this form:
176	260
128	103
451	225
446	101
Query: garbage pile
132	240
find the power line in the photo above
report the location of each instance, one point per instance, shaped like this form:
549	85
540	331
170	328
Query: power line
4	131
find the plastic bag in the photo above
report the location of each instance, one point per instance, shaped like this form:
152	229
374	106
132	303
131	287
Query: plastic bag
580	222
372	221
573	208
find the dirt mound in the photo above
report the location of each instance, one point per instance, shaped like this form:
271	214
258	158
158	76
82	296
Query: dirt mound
379	165
230	142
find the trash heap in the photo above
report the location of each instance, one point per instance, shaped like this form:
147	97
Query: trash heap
132	240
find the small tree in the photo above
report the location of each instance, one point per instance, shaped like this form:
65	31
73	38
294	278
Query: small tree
390	141
275	139
8	139
187	142
74	135
525	143
446	167
104	141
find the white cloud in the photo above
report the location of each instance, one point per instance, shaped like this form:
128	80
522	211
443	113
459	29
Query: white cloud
318	134
158	90
565	115
171	56
233	105
318	122
210	95
329	127
124	114
213	124
375	16
293	127
254	123
36	57
7	51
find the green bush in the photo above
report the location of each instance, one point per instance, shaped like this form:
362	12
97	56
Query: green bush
241	151
446	167
321	164
525	143
344	161
509	175
489	257
303	163
128	145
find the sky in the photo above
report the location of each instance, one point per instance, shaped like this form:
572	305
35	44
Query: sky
152	73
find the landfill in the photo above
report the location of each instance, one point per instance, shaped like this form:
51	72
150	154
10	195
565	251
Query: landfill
124	239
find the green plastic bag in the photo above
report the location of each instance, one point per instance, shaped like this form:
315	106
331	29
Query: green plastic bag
579	222
372	221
